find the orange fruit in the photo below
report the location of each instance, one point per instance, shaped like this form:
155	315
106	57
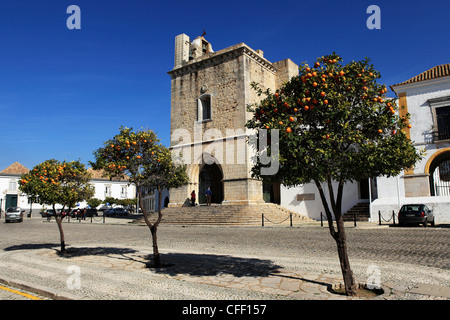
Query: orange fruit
288	130
291	119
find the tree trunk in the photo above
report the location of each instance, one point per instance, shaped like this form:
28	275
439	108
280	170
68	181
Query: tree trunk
153	228
339	234
61	232
156	256
347	274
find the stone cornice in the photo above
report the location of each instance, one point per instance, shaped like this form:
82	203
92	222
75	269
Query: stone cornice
218	57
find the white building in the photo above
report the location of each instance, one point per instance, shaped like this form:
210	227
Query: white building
10	195
103	187
427	98
150	199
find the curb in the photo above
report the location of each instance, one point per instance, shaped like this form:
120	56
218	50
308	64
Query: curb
40	290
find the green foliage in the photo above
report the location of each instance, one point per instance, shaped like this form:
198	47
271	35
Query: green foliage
53	182
94	202
335	122
142	158
146	162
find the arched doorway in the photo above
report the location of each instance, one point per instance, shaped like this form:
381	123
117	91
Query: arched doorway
439	170
210	176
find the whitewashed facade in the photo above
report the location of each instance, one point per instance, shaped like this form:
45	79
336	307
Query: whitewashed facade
427	98
103	187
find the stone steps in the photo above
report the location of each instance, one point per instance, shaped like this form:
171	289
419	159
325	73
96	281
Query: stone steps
360	210
229	215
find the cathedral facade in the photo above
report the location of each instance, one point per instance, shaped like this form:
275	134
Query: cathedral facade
210	92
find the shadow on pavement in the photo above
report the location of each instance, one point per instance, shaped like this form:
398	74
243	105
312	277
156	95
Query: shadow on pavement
213	265
94	251
72	252
33	246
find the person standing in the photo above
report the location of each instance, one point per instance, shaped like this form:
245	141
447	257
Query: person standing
193	198
208	196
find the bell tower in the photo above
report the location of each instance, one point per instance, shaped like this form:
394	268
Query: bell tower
209	95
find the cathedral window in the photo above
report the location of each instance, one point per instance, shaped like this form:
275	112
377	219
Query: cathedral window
204	108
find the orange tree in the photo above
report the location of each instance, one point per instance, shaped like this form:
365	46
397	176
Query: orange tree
335	125
52	182
147	163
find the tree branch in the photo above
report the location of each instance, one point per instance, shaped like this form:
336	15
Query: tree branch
327	209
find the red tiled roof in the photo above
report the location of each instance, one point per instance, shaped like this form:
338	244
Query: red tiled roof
437	72
101	175
16	168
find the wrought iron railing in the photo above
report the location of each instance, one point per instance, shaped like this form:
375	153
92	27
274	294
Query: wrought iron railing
441	135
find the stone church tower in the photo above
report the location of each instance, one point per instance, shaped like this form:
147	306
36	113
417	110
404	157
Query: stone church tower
209	95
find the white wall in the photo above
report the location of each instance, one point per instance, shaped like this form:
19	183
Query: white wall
99	185
439	205
5	180
416	98
313	208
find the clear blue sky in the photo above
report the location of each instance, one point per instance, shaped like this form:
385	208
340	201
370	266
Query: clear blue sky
64	92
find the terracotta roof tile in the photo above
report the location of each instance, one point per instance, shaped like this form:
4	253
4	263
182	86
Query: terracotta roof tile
16	168
442	70
100	174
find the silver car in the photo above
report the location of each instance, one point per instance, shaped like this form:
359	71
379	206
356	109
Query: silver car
14	214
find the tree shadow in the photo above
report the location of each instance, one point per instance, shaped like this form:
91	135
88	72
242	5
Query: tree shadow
33	246
73	252
213	265
172	263
328	285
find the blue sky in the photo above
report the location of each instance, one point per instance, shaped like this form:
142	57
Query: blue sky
64	92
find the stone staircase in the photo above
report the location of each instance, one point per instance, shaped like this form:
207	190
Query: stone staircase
360	210
233	215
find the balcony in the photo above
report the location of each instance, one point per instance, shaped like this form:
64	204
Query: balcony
441	135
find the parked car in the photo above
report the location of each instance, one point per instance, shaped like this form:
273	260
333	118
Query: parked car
415	214
48	213
115	212
14	214
92	212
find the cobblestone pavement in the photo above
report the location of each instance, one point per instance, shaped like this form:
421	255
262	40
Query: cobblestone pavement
108	261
